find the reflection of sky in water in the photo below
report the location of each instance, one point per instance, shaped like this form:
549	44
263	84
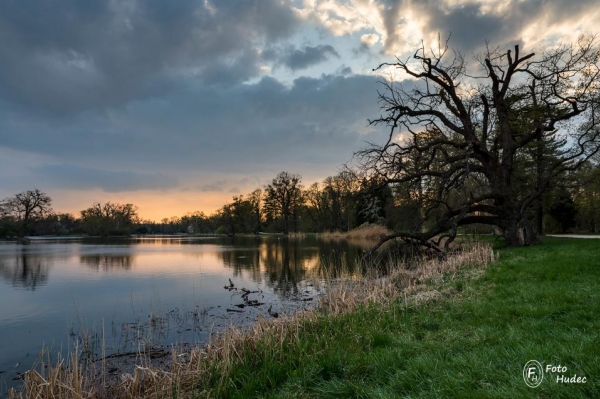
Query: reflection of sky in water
52	288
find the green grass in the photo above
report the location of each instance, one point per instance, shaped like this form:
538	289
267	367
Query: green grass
541	303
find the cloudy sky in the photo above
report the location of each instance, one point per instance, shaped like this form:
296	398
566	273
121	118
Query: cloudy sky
176	106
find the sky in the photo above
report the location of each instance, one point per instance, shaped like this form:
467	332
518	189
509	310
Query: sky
176	106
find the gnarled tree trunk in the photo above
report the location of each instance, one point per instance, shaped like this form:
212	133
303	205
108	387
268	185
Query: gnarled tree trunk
518	231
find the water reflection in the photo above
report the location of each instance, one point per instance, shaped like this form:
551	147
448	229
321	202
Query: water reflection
282	264
136	287
107	262
24	270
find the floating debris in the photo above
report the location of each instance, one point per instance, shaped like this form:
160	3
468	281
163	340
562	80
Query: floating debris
231	286
271	313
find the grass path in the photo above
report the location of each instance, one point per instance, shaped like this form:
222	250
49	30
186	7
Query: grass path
539	303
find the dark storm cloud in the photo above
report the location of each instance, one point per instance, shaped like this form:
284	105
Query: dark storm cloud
345	71
268	124
467	24
69	56
308	56
244	128
296	59
234	71
82	178
554	10
470	25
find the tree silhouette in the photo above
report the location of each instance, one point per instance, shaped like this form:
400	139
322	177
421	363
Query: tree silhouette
26	207
484	146
283	196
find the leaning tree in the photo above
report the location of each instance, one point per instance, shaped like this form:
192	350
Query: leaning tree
480	142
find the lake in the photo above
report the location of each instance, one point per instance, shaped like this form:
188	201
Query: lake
133	292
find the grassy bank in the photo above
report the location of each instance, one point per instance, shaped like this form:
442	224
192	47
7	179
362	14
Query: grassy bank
537	303
449	331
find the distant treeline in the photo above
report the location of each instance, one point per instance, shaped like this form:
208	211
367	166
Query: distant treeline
339	203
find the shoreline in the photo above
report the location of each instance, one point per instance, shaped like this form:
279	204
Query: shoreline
341	298
437	330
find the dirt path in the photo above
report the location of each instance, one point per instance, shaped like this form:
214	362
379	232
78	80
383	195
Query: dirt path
572	236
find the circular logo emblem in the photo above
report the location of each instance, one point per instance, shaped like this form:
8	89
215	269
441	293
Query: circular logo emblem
533	373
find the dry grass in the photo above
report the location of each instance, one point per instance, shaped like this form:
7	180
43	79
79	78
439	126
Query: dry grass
192	372
332	234
409	281
371	231
365	231
296	235
60	379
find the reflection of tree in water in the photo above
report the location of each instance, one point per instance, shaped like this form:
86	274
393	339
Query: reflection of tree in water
337	258
24	270
277	261
107	262
284	263
246	259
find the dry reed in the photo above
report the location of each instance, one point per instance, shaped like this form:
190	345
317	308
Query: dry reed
369	231
189	370
406	280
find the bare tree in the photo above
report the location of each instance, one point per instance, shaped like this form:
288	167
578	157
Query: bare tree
283	196
239	216
331	205
483	147
255	199
110	218
26	207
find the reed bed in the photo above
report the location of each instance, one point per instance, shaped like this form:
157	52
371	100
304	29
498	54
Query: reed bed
406	279
196	372
369	231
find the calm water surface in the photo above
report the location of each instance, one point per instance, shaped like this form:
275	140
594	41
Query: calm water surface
135	291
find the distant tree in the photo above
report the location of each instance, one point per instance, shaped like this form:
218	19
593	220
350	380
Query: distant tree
197	222
8	226
372	200
255	198
25	208
283	197
349	185
331	205
109	219
315	207
586	195
175	225
228	219
239	216
55	224
563	210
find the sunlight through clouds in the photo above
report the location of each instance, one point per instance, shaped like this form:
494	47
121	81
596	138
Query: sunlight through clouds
160	90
